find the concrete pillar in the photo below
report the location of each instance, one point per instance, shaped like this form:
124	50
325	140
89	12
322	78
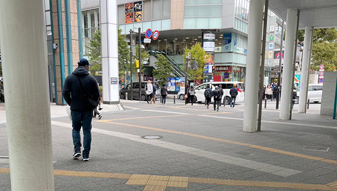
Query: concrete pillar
109	39
287	91
23	34
305	69
252	68
89	24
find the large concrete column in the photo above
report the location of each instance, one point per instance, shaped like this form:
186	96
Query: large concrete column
305	69
252	68
109	39
25	67
287	79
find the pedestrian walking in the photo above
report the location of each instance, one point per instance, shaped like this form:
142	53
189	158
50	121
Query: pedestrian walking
79	90
217	98
208	96
154	93
233	92
148	91
187	95
269	93
191	92
163	92
221	91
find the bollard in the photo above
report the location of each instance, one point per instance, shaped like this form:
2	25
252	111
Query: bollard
308	103
265	103
174	99
126	95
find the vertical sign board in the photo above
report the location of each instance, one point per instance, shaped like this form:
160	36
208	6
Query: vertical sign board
321	74
138	11
128	13
209	46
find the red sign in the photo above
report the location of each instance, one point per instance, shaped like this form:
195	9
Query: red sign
148	33
321	66
155	35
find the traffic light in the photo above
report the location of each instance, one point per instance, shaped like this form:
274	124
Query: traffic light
213	69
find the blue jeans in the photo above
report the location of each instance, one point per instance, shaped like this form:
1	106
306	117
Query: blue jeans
80	119
232	103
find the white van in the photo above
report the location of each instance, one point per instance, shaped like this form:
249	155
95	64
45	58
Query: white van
226	86
314	93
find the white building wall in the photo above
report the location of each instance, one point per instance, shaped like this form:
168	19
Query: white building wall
328	95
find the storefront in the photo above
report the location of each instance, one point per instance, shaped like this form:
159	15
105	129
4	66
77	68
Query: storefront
229	73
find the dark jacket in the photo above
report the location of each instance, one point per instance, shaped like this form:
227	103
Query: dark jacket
210	90
233	92
72	91
217	94
154	90
163	91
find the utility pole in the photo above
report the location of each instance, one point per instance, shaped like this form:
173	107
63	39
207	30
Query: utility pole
188	58
131	64
262	63
279	69
140	65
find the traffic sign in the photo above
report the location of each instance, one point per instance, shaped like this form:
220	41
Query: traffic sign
147	40
148	33
155	35
321	80
321	73
321	66
226	75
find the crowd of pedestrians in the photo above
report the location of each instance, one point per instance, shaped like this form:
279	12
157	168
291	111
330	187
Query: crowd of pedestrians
270	92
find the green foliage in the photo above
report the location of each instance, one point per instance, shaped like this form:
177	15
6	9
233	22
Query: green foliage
144	57
300	35
94	48
162	70
324	50
123	54
200	56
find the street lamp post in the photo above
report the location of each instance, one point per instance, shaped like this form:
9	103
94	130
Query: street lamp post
140	64
131	64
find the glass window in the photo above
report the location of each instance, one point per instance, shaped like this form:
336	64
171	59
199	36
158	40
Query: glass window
146	11
157	11
203	11
202	2
201	23
136	85
189	23
121	14
166	9
166	24
215	23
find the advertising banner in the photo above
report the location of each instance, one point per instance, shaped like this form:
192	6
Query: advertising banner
277	54
138	11
209	64
128	13
209	42
227	42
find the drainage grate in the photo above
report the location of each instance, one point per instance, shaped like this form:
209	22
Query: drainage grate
151	137
316	148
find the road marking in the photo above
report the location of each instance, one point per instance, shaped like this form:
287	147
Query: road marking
275	122
263	167
165	111
234	142
154	182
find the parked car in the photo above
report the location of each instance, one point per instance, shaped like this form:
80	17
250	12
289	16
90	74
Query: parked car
226	86
314	93
126	91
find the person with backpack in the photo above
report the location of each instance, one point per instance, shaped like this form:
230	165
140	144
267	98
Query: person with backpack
233	92
149	90
208	95
191	93
163	92
217	98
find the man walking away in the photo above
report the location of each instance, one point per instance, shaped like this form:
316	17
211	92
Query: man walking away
191	92
208	96
78	87
217	98
221	91
233	92
163	92
149	90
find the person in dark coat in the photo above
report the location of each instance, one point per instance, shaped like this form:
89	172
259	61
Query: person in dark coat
217	98
233	92
163	92
208	96
81	113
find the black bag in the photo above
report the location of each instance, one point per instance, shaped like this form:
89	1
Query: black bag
92	104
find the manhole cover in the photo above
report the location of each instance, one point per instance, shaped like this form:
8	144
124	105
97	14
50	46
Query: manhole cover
316	148
152	137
